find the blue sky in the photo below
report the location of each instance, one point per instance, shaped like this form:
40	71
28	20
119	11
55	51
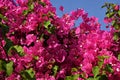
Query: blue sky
92	7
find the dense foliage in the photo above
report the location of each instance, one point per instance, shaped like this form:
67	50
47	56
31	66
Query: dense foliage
36	44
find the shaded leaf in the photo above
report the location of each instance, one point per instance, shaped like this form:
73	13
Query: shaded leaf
8	45
28	74
108	68
5	29
116	36
2	65
51	29
102	77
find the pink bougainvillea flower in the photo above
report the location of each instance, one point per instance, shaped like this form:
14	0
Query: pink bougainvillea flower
22	2
107	20
30	38
53	47
19	66
61	8
13	76
116	7
87	67
61	55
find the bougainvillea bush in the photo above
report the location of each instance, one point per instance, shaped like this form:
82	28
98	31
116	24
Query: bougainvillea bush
36	44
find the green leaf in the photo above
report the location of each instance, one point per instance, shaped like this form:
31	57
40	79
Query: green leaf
74	70
116	36
68	78
116	26
36	57
91	78
75	77
108	68
109	15
9	68
72	77
28	74
112	5
31	7
25	12
55	69
31	72
18	49
101	58
113	23
41	37
100	63
46	24
95	70
3	17
1	65
107	12
103	6
50	28
42	3
119	57
119	12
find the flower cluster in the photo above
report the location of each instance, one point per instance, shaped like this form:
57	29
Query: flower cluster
36	44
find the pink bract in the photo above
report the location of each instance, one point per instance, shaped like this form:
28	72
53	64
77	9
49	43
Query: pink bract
44	46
